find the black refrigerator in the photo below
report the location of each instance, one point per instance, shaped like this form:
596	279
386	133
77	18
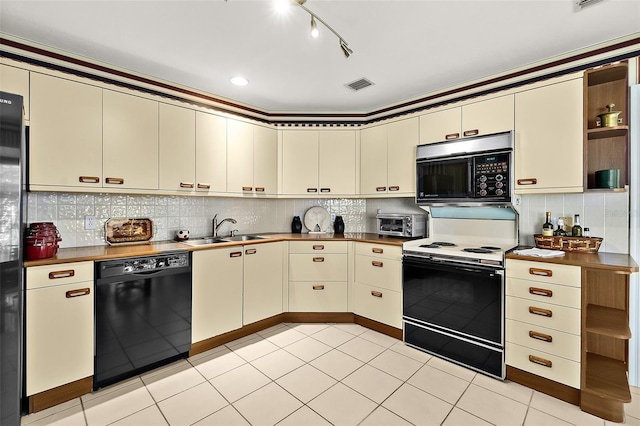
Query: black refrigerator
12	218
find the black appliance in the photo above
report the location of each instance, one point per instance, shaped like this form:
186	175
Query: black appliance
143	315
469	171
12	219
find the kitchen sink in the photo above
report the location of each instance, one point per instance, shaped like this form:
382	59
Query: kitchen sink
204	241
242	238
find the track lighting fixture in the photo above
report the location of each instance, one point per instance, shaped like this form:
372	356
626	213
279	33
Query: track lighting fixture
314	28
345	49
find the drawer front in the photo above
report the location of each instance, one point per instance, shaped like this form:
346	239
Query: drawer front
317	267
318	247
378	304
544	292
318	297
379	250
544	272
379	272
63	273
542	339
542	364
544	314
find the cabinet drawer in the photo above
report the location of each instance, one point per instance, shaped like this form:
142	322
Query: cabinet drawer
318	247
544	292
379	272
318	297
542	364
378	304
64	273
544	339
544	272
379	251
544	314
317	267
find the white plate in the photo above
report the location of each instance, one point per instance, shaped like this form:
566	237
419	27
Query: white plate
317	216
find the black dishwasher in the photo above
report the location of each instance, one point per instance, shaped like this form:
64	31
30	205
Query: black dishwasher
142	315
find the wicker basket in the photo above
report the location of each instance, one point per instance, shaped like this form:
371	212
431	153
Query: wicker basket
575	244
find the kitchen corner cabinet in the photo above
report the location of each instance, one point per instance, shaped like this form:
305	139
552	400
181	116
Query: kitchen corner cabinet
59	310
130	141
16	80
263	281
177	149
548	138
65	143
479	118
211	153
387	159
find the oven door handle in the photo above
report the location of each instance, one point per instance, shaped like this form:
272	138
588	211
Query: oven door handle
443	264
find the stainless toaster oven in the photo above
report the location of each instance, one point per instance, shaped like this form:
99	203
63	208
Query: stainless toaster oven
402	224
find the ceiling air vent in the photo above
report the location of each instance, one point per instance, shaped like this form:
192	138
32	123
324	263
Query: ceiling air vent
359	84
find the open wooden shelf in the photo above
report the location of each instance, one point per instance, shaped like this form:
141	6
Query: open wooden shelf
607	132
608	322
607	378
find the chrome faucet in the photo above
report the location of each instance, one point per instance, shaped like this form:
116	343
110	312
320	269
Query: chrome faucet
217	225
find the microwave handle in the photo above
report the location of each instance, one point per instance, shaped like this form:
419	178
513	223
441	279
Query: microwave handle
472	178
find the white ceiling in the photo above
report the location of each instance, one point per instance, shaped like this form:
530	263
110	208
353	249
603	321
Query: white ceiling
407	48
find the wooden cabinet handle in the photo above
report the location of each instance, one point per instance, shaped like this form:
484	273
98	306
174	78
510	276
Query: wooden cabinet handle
247	188
375	293
114	181
541	272
318	247
61	274
259	188
78	292
381	188
204	186
318	259
235	254
377	250
394	188
540	292
312	189
318	287
89	179
451	136
186	185
540	336
325	189
250	251
540	361
377	263
540	311
471	132
528	181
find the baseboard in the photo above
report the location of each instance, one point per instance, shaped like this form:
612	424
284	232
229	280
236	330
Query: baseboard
541	384
49	398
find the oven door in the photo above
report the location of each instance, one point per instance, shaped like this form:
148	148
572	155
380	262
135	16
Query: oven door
444	180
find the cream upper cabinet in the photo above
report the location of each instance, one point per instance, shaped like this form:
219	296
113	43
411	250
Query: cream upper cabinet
548	139
15	80
485	117
251	159
211	153
299	162
65	133
263	281
130	141
373	160
177	148
265	160
337	162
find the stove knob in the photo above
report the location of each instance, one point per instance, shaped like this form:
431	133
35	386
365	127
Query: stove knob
499	178
499	192
483	193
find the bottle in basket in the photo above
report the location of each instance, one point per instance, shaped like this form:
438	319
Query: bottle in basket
576	231
547	226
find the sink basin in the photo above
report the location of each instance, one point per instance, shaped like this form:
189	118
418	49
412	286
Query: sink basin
204	241
242	238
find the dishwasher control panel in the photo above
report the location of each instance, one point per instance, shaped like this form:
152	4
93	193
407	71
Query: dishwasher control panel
134	265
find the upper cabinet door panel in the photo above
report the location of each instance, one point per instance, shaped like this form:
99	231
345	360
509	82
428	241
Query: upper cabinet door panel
337	166
299	162
239	157
130	148
211	153
402	139
487	117
373	160
16	80
265	160
177	148
65	146
441	125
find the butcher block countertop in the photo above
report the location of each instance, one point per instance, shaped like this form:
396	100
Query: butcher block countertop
599	260
79	254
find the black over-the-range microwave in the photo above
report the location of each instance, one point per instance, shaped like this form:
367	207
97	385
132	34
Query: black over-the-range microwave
470	171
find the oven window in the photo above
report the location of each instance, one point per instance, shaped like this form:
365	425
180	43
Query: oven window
392	225
444	179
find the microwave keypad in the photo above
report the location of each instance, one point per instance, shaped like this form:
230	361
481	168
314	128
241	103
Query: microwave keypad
491	176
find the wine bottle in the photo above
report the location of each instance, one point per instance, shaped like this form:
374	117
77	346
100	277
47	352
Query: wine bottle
547	226
560	231
576	231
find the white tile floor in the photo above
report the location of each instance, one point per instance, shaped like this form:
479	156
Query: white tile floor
317	374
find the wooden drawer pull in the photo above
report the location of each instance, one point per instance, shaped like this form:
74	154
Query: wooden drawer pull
540	292
186	185
376	293
471	132
204	186
312	189
540	336
247	188
541	272
377	250
318	247
529	181
250	251
62	274
394	188
78	292
235	254
318	259
89	179
114	181
451	136
381	188
540	311
259	188
540	361
377	263
318	287
325	189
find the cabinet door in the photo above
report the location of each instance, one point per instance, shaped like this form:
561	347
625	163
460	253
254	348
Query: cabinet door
441	125
130	141
337	168
16	80
262	281
299	162
487	117
217	292
548	146
265	160
373	161
402	139
239	157
65	133
211	153
177	162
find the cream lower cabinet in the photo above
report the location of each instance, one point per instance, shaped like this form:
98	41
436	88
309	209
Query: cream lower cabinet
377	289
217	292
177	149
16	80
263	281
543	311
318	276
59	310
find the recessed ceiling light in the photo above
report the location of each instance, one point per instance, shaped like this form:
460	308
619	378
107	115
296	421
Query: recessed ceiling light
239	81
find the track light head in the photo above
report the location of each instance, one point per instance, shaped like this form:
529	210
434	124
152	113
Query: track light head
314	28
345	48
